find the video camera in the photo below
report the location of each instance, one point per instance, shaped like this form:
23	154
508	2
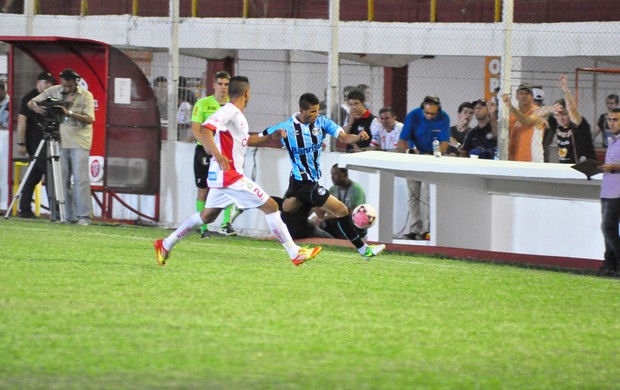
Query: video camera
49	122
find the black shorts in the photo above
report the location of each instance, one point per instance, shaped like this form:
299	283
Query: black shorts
307	191
201	166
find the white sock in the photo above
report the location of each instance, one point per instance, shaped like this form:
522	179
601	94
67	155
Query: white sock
187	227
362	250
282	234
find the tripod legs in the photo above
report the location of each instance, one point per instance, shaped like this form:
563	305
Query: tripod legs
58	197
26	176
53	151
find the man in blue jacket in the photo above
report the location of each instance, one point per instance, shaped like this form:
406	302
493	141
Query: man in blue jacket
423	125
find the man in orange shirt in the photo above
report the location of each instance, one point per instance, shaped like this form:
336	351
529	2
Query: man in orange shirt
525	127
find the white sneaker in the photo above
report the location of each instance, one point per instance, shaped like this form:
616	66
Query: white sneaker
373	250
83	222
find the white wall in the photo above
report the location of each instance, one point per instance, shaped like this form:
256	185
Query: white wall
270	168
521	225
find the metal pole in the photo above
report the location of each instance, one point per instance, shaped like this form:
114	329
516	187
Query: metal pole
333	64
502	137
246	9
29	10
173	84
498	11
169	190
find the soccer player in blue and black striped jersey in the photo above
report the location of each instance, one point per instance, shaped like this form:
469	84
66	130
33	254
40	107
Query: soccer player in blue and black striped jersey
305	132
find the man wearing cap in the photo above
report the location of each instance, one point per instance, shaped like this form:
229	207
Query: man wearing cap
76	137
29	136
482	139
524	127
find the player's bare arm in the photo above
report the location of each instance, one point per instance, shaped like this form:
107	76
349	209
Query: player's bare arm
211	148
196	132
256	140
352	138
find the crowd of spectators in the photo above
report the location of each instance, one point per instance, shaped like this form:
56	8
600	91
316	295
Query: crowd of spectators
537	132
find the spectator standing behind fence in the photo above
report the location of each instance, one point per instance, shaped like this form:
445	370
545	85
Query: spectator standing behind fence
160	89
422	126
572	130
602	126
574	137
344	107
360	119
29	136
482	139
610	198
525	129
187	99
76	138
459	131
4	106
385	135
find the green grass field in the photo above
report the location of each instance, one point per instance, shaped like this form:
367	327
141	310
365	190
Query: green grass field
87	307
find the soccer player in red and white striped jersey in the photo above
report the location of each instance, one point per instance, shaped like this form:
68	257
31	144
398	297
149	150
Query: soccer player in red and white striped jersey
225	135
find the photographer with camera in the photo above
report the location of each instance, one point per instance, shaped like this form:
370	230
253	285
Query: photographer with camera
29	135
73	109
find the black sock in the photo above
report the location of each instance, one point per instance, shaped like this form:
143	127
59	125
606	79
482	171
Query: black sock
348	229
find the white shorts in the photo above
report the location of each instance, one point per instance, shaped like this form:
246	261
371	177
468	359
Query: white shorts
244	193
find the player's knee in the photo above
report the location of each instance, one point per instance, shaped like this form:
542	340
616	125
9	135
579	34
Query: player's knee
202	194
341	211
208	215
290	205
336	207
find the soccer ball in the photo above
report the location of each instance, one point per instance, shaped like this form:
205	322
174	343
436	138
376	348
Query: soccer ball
364	216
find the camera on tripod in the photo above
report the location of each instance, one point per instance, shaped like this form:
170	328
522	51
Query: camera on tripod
49	122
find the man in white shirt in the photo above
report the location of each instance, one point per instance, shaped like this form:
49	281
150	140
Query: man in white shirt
386	135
